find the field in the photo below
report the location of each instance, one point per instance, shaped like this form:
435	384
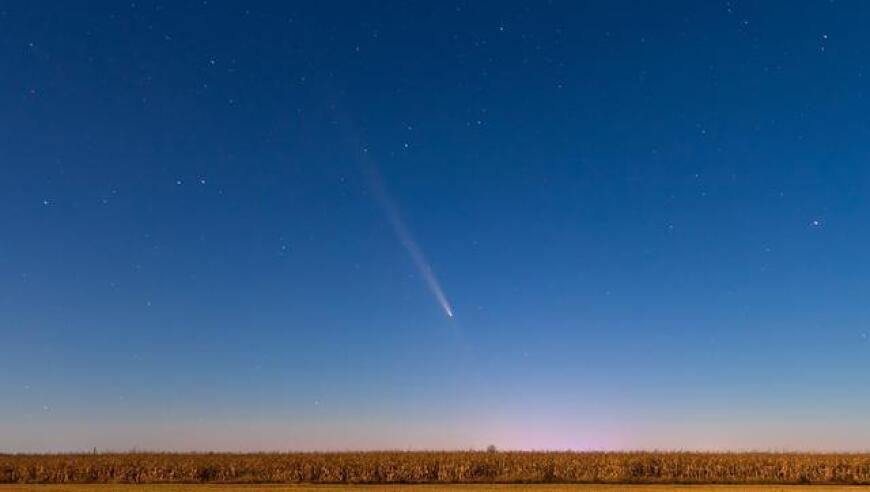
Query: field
430	488
438	468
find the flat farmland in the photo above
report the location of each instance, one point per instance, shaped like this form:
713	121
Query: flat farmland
437	468
429	488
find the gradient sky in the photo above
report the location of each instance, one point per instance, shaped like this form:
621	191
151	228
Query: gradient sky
650	219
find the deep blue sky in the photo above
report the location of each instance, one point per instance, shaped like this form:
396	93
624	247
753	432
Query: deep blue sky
650	219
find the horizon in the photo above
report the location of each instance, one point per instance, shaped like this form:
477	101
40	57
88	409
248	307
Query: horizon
368	225
445	452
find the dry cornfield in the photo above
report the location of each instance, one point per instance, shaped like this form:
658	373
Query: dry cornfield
440	467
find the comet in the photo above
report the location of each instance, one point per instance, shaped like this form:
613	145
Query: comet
403	233
372	175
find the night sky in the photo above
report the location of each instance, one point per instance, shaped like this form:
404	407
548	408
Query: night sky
406	225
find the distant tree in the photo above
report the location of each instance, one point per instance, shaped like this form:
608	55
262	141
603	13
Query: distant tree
491	448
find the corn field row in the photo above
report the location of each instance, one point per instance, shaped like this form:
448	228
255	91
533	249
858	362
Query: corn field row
439	467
